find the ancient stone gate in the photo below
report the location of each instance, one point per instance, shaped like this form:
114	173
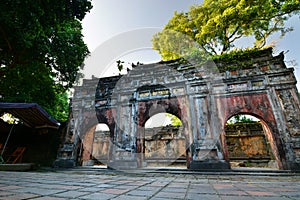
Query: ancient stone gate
202	96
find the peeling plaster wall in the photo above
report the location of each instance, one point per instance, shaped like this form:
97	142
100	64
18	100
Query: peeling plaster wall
247	142
165	143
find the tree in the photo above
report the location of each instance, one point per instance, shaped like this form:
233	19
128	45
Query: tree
175	121
217	25
241	118
41	50
33	84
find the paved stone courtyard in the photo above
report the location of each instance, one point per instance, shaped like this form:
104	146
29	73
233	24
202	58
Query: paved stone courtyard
155	185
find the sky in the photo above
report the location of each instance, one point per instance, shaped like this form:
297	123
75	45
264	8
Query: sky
114	30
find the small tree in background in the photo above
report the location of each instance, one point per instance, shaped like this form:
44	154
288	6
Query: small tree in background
242	119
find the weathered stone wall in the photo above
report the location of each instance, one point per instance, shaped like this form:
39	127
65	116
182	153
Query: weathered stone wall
257	91
204	97
164	143
245	140
101	146
289	116
161	143
247	143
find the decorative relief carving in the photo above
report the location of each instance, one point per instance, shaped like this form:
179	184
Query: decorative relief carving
290	110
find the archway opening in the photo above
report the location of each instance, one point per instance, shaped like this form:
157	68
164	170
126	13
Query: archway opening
165	143
248	141
101	144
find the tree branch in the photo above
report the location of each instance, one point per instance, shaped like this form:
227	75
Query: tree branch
280	14
211	48
234	32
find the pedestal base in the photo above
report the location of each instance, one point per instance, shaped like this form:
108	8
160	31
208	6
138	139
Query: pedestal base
64	163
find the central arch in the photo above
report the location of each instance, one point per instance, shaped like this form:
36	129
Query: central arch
161	101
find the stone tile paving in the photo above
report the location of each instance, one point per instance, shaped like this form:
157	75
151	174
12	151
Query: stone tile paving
115	185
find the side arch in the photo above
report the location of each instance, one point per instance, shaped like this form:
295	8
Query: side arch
259	106
88	123
85	155
269	136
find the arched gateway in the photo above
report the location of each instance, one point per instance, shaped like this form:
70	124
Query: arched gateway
202	96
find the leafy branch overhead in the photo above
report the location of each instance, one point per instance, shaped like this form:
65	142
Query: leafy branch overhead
216	26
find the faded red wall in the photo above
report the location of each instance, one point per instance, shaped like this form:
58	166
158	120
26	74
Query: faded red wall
259	106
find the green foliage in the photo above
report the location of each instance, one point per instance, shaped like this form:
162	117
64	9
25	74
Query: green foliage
33	84
239	59
41	51
216	25
61	107
174	45
241	119
237	55
175	121
120	65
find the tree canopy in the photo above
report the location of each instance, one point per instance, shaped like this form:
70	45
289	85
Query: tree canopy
41	50
217	25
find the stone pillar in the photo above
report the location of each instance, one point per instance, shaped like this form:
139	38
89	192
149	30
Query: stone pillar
289	104
126	137
206	149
